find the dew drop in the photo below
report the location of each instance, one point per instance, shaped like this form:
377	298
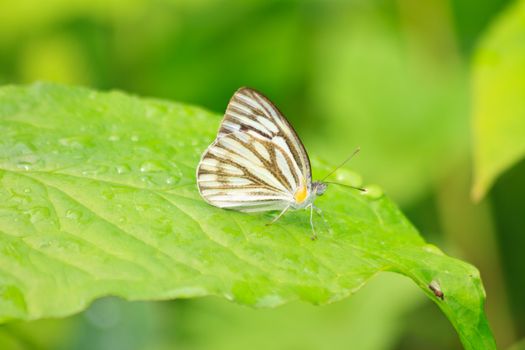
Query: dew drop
27	190
151	166
373	191
108	195
146	180
114	138
430	248
39	214
95	171
122	169
153	180
27	161
73	214
134	138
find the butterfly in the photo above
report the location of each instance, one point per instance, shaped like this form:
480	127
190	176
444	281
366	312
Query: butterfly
257	162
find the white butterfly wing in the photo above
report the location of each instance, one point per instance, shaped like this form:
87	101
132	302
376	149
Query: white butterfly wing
257	162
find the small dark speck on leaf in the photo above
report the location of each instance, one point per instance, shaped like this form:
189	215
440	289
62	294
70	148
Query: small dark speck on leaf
436	289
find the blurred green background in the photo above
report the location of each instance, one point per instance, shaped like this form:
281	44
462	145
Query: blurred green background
390	76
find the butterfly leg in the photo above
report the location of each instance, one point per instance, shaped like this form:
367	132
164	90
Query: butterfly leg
314	235
278	216
320	212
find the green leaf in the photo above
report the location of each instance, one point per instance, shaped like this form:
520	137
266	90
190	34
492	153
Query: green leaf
499	95
98	197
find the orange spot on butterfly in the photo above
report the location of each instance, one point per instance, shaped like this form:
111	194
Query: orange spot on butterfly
301	194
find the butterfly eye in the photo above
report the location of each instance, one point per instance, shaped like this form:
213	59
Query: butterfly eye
320	188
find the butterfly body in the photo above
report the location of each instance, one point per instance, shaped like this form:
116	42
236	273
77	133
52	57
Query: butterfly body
304	197
257	162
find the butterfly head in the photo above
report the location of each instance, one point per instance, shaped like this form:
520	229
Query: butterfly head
305	194
319	188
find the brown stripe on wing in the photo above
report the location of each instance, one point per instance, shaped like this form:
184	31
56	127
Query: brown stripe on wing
227	157
270	164
285	130
223	175
296	176
238	109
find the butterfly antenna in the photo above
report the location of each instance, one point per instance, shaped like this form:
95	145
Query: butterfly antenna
345	185
342	164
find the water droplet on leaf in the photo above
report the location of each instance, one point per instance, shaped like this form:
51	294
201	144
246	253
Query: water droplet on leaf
122	169
373	191
73	214
151	166
108	195
39	214
432	249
